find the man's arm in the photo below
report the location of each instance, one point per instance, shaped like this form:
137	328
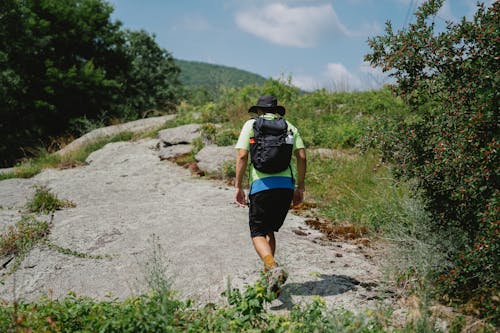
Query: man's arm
298	195
241	165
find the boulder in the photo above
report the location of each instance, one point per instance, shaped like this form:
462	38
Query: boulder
6	170
170	152
179	135
211	158
136	126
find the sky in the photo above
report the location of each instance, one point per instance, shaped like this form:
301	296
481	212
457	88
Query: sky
318	44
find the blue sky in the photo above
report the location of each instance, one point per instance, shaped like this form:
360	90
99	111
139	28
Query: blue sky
320	44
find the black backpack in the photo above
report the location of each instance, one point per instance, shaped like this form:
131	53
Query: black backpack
271	146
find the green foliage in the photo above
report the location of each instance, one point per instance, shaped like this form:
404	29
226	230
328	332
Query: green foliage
61	61
450	80
355	188
46	202
153	81
33	166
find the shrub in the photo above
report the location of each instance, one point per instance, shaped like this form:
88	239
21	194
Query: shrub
450	81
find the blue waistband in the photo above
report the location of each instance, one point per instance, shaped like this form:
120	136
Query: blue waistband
270	183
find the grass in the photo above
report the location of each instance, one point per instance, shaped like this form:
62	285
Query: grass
354	188
20	238
46	202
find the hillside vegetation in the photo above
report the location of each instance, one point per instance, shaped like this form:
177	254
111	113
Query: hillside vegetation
209	78
419	167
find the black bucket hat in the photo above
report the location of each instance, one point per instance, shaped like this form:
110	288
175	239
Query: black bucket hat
268	104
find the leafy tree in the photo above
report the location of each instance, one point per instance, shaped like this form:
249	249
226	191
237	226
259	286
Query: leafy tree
450	80
65	60
153	80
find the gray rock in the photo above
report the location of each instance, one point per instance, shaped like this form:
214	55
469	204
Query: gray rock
170	152
6	170
212	158
179	135
140	125
15	192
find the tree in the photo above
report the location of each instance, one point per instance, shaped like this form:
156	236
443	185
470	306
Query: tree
451	81
153	80
61	61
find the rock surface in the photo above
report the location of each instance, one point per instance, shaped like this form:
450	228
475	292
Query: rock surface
212	158
179	135
170	152
140	125
126	194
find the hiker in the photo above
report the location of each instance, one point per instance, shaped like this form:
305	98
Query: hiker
273	190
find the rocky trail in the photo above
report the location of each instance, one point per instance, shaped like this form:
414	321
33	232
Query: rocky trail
129	194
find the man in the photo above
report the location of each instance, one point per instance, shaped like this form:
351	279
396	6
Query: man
270	193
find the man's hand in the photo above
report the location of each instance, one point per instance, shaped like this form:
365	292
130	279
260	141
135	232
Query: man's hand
240	197
298	197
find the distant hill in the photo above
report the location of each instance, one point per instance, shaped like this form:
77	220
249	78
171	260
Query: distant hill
209	76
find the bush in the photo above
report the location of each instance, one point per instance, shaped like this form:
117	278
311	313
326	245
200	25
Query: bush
450	81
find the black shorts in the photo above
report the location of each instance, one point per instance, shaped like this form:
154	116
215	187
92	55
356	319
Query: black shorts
268	210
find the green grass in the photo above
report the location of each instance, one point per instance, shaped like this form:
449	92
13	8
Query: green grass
46	202
354	188
17	240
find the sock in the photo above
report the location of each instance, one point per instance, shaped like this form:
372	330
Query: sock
269	261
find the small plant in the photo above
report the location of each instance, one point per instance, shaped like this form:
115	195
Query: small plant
70	252
23	235
46	202
229	170
250	304
155	268
208	133
20	238
226	137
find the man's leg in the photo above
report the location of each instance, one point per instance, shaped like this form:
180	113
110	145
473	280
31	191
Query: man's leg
265	248
272	241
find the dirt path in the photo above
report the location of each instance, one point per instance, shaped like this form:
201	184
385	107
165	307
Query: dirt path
126	194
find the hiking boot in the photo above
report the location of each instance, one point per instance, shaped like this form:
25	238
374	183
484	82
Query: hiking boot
276	278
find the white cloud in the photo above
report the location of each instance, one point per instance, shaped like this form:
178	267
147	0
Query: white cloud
336	77
305	82
340	78
291	26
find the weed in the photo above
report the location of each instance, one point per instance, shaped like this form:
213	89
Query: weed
155	268
20	238
23	235
227	137
70	252
46	202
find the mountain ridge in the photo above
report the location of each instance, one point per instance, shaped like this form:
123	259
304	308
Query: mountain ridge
197	74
